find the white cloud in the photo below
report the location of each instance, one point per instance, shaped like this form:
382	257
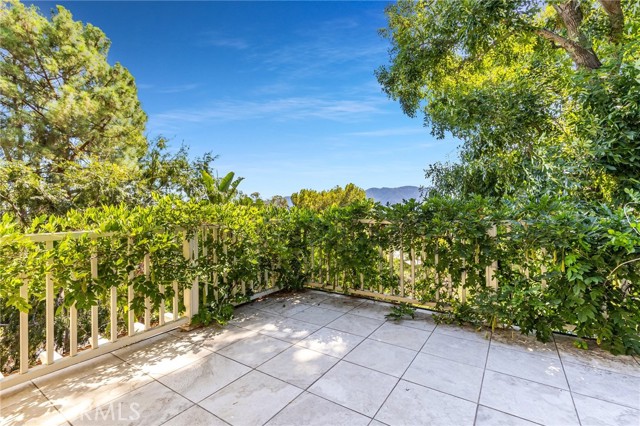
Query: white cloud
178	88
397	131
283	109
212	39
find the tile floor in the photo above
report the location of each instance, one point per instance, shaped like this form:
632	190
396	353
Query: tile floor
315	358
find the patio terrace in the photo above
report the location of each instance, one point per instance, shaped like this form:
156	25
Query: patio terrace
316	358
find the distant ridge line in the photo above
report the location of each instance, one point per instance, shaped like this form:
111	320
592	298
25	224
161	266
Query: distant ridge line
396	195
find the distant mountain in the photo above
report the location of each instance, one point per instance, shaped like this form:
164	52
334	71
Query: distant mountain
388	195
393	195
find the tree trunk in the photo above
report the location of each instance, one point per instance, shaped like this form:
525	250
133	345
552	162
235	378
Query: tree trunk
584	58
616	19
578	45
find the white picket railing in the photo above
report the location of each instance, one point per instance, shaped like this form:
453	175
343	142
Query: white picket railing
322	273
53	361
329	277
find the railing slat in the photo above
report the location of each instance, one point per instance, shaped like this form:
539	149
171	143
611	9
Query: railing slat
176	301
146	267
113	317
462	289
161	308
73	330
130	294
413	272
391	266
401	272
312	263
215	262
49	308
205	253
94	309
24	330
437	278
492	280
195	289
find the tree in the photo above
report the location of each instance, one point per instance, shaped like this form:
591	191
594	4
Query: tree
221	190
540	95
322	200
66	115
278	201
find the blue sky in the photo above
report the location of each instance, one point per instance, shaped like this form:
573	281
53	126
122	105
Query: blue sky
283	92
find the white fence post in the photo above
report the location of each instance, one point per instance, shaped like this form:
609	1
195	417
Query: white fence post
24	329
190	252
492	280
49	317
94	308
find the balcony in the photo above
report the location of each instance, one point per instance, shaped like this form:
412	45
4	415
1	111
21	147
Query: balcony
317	358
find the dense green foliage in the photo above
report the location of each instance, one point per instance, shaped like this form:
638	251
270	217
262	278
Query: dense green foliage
321	200
502	76
557	266
549	157
68	119
71	125
544	97
236	245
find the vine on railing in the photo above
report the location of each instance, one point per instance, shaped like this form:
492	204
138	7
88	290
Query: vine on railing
541	265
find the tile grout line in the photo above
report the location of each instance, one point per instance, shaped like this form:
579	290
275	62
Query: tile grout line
332	367
154	379
259	371
484	371
564	372
405	371
50	402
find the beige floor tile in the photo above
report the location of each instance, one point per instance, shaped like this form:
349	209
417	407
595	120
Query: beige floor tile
17	394
311	410
285	308
410	404
355	387
530	366
288	329
195	416
298	366
331	342
319	316
596	357
251	400
454	378
355	324
382	357
466	351
164	356
464	332
597	412
528	400
35	410
74	392
207	375
604	384
230	334
515	340
340	303
254	351
374	310
422	321
406	337
152	404
489	417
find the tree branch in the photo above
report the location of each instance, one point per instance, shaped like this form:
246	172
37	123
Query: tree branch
584	58
616	19
577	44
